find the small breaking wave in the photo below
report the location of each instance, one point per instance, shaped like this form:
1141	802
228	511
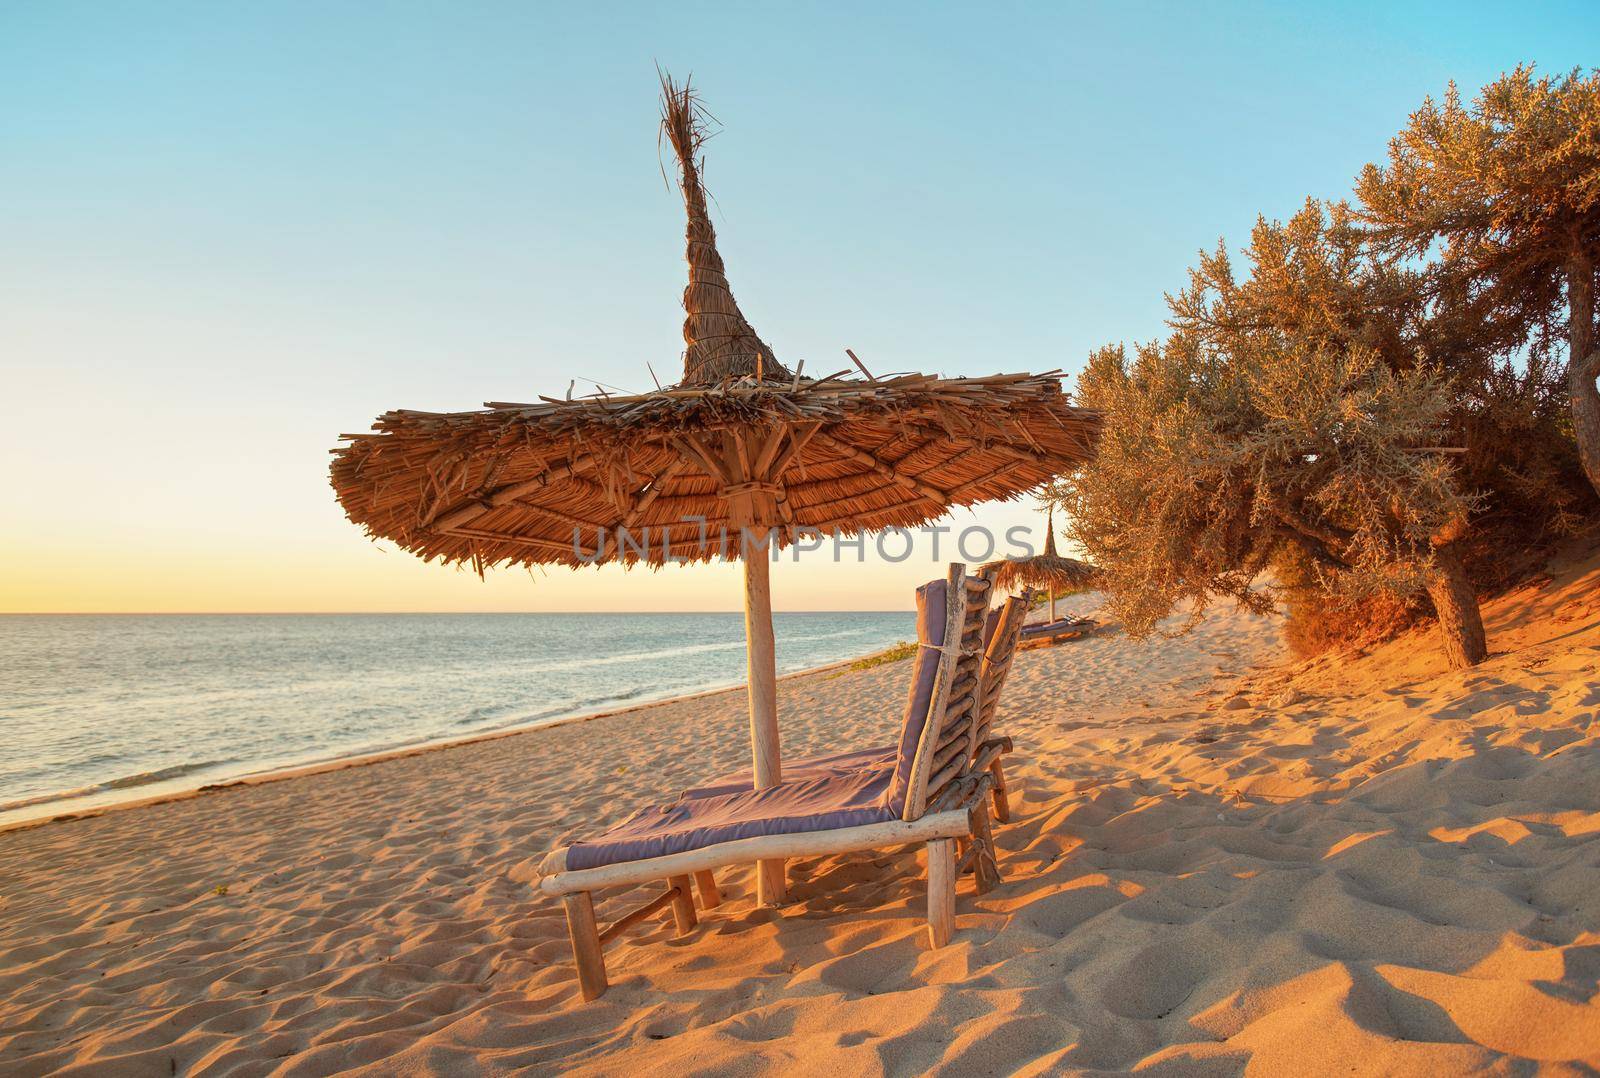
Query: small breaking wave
124	782
481	718
677	652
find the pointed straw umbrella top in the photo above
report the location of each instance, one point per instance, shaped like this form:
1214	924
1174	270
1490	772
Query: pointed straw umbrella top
720	343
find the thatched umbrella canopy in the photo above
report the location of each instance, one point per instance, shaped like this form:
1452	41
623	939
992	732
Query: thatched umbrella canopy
742	443
1047	570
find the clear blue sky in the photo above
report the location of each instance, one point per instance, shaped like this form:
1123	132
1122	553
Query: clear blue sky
232	231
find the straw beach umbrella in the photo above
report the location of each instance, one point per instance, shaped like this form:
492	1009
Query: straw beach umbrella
742	449
1048	570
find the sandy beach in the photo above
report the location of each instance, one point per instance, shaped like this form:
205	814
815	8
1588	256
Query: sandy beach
1221	859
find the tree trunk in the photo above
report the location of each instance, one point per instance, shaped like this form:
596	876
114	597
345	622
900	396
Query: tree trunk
1583	363
1460	622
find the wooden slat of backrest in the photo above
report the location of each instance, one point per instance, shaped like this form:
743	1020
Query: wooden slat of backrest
955	721
945	777
948	751
958	719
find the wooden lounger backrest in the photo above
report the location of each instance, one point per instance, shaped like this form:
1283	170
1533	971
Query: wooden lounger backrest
997	660
949	738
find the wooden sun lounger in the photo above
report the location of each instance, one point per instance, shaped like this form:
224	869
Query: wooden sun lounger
1070	627
946	772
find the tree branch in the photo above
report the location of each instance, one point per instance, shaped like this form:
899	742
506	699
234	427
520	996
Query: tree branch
1313	547
1324	533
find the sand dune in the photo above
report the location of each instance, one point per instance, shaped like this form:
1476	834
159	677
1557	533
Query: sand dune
1220	860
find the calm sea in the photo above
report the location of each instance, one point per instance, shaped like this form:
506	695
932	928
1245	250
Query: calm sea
98	708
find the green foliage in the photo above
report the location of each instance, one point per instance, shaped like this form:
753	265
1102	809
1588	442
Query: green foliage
1288	413
899	653
1370	409
1506	193
1509	184
1512	418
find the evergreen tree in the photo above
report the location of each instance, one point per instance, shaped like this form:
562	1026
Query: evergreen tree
1292	415
1509	187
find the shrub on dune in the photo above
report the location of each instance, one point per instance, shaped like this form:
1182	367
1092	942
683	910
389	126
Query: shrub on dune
1292	414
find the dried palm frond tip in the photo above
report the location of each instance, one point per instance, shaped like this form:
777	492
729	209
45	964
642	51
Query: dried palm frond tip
741	443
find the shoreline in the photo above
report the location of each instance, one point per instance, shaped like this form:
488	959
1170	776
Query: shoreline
60	810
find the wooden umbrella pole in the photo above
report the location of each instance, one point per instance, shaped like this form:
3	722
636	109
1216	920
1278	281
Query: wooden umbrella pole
1050	551
763	688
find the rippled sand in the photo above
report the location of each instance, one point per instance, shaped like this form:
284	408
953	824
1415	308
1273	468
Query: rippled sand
1219	860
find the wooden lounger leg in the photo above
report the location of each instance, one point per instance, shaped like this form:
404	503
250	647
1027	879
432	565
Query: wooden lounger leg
941	891
985	870
710	896
1002	803
683	904
585	936
771	887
